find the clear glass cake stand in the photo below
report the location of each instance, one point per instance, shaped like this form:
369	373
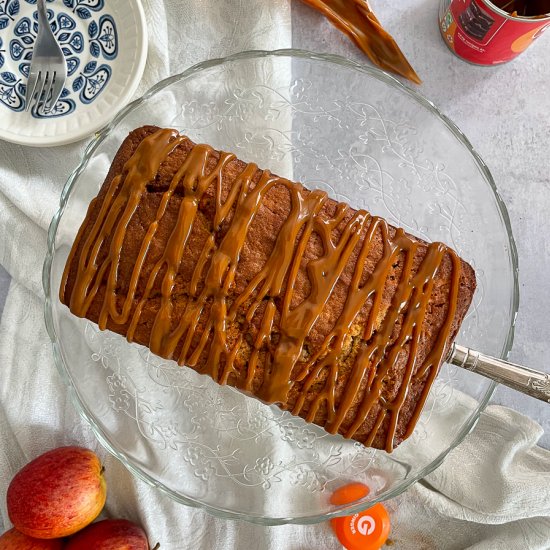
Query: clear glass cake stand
365	138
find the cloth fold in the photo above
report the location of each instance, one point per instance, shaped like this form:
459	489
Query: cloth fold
490	493
493	491
507	461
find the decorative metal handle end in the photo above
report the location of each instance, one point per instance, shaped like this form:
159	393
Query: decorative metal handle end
522	379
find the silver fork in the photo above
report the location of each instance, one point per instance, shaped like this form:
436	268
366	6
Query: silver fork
48	71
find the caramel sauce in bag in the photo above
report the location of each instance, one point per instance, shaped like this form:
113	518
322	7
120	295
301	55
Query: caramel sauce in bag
356	19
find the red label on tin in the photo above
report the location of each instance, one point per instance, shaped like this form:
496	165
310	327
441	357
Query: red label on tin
477	32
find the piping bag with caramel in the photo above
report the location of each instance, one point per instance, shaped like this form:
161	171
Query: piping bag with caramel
356	19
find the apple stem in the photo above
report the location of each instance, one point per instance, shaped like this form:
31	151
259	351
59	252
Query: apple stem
102	470
157	546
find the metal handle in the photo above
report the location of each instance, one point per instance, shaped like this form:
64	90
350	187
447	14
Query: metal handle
525	380
42	15
46	44
44	30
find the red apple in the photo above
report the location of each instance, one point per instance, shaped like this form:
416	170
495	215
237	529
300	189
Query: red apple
15	540
57	494
110	534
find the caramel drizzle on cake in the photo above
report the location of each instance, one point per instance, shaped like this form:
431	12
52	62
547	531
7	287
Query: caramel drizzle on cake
216	269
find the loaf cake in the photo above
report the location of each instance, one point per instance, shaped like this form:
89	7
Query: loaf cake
298	300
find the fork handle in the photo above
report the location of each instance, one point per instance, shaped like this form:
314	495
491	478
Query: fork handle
42	14
528	381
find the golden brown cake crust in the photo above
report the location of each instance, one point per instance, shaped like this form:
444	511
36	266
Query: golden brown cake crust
260	240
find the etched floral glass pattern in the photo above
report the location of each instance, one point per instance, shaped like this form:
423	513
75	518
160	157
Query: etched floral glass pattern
365	139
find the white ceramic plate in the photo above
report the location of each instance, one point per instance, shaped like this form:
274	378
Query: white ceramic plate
105	47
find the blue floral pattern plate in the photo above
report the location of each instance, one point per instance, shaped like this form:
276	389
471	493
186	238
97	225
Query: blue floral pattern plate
105	48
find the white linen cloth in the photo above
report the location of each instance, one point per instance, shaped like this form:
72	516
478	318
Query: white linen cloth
493	491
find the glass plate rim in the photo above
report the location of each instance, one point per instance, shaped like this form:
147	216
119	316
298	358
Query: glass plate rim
98	138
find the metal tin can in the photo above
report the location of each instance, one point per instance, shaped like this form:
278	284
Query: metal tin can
481	33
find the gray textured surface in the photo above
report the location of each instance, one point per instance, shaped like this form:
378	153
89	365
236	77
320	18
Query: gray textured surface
505	112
